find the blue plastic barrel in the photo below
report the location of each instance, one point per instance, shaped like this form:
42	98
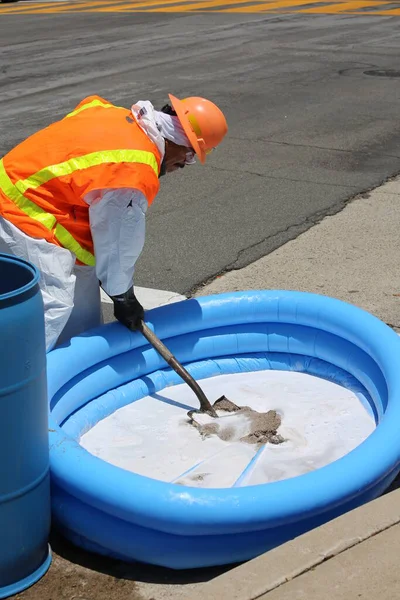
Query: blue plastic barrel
24	451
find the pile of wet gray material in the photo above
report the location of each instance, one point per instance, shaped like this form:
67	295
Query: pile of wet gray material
239	424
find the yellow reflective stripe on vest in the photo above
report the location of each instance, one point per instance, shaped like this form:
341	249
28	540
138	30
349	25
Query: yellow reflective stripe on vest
92	104
46	219
28	207
69	242
84	162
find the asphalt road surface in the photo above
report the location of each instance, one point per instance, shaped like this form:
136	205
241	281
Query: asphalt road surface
312	102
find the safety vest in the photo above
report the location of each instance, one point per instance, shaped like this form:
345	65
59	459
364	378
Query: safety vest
44	179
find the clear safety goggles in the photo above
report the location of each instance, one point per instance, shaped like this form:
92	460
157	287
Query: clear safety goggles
191	156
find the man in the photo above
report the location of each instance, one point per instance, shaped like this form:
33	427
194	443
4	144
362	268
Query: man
73	199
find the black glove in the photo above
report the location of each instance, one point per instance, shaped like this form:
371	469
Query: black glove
128	310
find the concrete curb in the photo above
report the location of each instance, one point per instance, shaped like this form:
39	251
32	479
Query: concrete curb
149	297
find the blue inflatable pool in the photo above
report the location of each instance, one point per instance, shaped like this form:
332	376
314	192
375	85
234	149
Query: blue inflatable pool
121	514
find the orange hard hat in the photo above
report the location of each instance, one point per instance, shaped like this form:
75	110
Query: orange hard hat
203	122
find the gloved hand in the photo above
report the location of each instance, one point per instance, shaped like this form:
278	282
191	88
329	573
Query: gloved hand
128	310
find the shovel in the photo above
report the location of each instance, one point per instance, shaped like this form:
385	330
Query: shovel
205	405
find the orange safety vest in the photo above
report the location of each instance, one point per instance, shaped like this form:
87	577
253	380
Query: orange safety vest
44	179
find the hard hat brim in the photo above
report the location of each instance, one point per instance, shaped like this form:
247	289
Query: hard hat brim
179	108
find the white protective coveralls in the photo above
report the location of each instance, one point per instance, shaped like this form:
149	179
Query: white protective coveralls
71	292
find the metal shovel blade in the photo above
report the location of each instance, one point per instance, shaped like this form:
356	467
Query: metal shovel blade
223	404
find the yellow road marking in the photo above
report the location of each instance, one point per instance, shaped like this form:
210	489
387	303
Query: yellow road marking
133	6
352	7
69	7
46	6
199	6
24	8
262	7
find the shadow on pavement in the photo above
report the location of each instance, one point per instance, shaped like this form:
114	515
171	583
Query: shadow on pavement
132	571
394	486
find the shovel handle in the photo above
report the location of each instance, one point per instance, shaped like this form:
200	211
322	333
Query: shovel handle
169	358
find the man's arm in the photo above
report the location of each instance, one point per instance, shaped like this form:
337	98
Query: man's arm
117	223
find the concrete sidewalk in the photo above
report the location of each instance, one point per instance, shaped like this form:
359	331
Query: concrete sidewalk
355	256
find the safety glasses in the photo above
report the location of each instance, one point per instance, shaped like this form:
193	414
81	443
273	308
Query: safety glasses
190	157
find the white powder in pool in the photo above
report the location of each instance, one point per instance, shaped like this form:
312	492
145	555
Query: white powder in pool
321	422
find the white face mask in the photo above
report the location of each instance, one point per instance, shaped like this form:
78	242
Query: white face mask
171	129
